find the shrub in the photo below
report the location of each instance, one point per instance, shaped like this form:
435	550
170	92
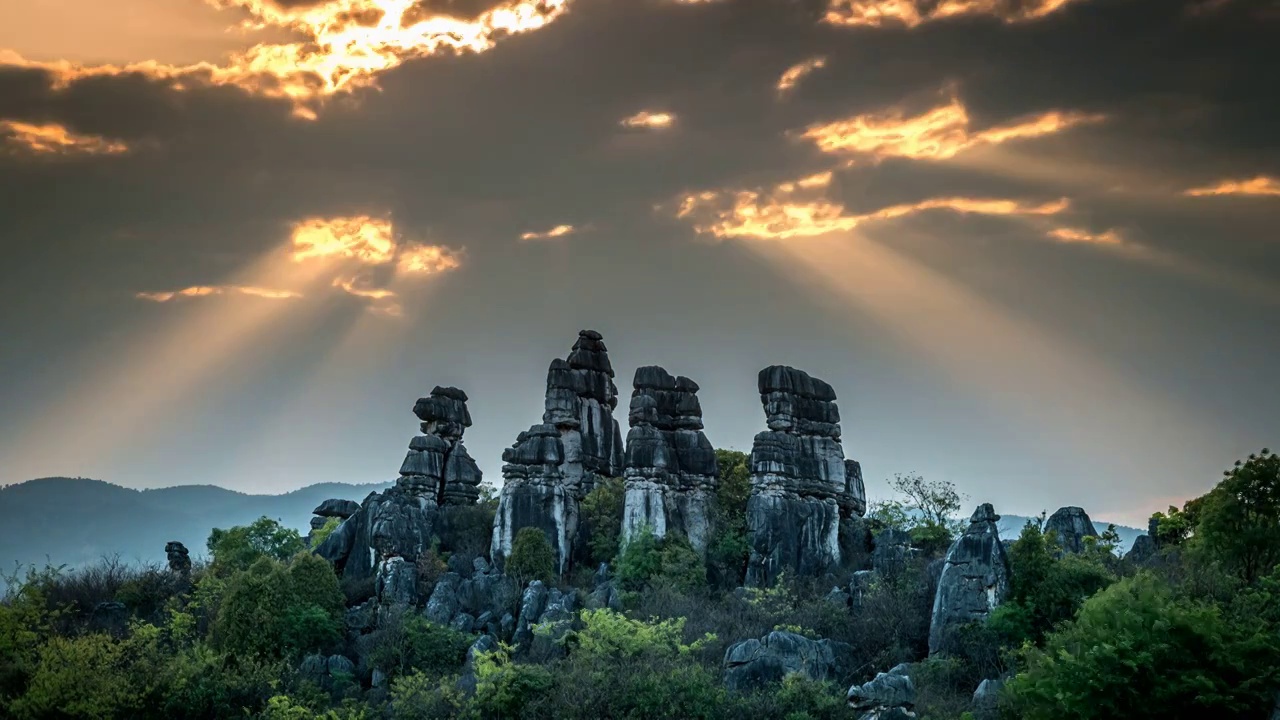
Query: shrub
532	557
727	548
405	643
274	610
323	532
243	545
601	510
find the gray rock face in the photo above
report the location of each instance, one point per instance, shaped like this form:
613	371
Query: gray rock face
1071	525
552	466
1144	547
892	550
671	471
888	695
179	558
397	582
436	473
753	663
341	509
986	700
974	580
801	482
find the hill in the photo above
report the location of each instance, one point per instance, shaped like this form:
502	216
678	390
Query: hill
75	521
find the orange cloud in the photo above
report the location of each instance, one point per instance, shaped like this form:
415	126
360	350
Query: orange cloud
343	45
555	232
912	13
366	239
649	120
350	287
207	290
794	74
55	139
937	134
1259	186
1077	235
428	259
798	209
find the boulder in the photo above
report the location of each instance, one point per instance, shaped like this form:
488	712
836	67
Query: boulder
671	471
1071	525
974	579
753	663
444	603
801	482
986	699
1143	549
891	549
397	582
179	558
337	508
888	695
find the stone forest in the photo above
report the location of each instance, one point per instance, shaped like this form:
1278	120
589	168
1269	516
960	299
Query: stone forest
651	575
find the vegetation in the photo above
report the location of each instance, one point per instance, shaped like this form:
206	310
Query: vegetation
1191	632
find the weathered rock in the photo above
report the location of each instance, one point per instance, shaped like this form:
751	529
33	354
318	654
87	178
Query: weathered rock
397	582
986	699
341	509
800	479
671	471
467	680
974	580
463	623
178	557
341	665
444	603
532	603
109	617
887	695
1071	525
860	585
1144	547
552	466
436	473
753	663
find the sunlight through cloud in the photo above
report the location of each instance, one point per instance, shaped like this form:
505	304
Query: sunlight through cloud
55	139
1261	185
555	232
912	13
649	120
794	74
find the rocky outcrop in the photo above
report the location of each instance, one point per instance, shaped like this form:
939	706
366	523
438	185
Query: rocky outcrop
974	580
1145	546
552	466
179	558
753	663
437	473
330	510
888	696
986	699
801	482
1070	525
671	472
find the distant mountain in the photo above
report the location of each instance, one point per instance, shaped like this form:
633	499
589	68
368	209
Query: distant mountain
1011	525
75	521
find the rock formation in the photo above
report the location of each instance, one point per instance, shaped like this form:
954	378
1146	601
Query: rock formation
986	699
888	696
179	558
801	482
752	663
552	466
437	473
974	580
1071	525
330	509
1145	546
671	470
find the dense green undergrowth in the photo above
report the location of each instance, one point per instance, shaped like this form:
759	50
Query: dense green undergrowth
1191	632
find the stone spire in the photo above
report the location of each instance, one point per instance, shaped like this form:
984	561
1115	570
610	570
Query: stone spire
801	482
671	472
974	579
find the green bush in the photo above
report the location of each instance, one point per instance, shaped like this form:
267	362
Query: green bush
727	548
1239	520
240	547
601	510
405	643
276	610
532	557
323	532
640	560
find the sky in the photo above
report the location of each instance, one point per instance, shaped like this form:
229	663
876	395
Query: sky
1031	243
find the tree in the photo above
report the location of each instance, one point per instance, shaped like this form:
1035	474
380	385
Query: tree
601	510
934	502
242	546
1137	651
1046	587
1239	520
274	610
324	531
532	557
640	560
727	548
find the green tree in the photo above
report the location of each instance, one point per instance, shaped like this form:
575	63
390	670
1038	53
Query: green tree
407	642
1137	651
1046	588
242	546
601	510
1239	520
727	548
276	610
640	560
323	532
532	557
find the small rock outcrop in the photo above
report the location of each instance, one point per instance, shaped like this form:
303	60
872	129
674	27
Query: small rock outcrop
801	482
329	510
986	700
753	663
888	696
1071	525
1145	546
553	465
179	558
671	471
437	473
974	579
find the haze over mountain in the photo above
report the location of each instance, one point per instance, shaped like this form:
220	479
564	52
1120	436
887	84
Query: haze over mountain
75	521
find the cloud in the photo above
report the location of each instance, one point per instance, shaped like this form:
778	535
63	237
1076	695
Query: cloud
1078	235
649	120
428	259
343	45
794	74
801	209
1259	186
366	239
55	139
206	290
555	232
351	287
912	13
937	134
